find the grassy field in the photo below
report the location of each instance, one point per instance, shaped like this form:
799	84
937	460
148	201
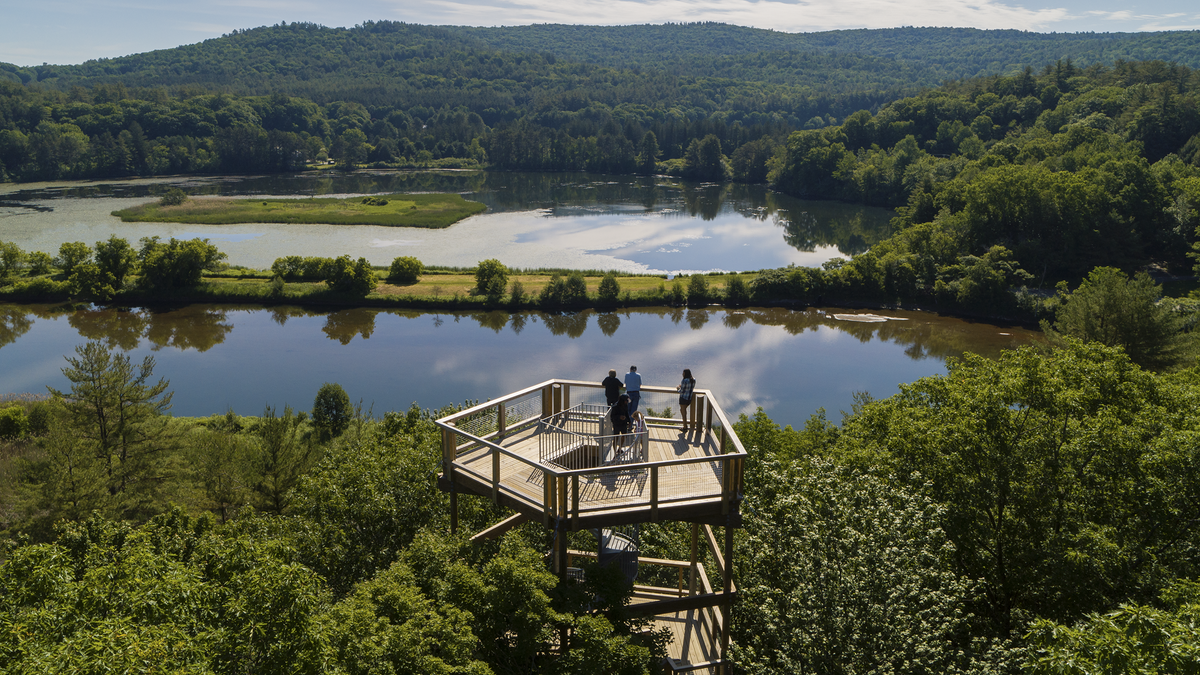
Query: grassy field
436	289
447	285
400	210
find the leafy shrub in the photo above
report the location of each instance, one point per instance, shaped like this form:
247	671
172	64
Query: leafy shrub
609	289
40	263
176	264
516	293
374	201
697	293
552	293
331	409
173	197
39	417
40	288
297	268
575	289
348	276
736	293
486	271
405	270
677	295
72	254
89	282
115	257
495	291
11	259
13	423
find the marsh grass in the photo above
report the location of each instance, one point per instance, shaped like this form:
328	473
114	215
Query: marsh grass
401	210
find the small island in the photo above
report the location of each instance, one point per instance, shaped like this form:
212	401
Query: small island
392	210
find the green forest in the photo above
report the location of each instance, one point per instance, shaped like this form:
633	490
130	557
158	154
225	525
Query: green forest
1032	513
1038	512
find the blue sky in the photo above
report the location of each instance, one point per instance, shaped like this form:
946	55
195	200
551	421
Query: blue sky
33	32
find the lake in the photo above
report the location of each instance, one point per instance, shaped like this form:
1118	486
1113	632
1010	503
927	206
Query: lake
243	358
657	225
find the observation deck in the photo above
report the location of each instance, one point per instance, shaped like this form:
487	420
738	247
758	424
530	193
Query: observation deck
550	454
546	452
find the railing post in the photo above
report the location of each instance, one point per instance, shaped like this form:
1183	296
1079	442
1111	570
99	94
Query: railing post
557	402
495	476
575	501
725	476
547	495
695	554
708	408
566	397
563	499
449	447
501	422
547	396
654	493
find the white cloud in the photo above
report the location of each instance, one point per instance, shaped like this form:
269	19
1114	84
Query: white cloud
810	15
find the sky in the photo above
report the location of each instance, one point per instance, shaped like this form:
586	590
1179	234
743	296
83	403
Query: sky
33	32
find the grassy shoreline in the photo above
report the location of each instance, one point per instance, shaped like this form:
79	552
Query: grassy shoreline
451	290
392	210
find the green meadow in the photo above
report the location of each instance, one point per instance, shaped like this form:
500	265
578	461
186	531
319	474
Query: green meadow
395	210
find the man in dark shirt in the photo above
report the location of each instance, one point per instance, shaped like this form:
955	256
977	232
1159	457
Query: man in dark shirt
612	387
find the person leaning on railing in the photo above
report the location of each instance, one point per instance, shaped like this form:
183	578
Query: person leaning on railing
633	387
685	389
612	387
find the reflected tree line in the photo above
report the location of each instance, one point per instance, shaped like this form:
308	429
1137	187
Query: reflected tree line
201	327
805	224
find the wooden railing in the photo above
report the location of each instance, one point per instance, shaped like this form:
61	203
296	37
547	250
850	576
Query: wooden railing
484	427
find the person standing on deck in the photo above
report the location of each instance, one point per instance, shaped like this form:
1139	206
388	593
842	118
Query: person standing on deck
633	388
612	388
685	389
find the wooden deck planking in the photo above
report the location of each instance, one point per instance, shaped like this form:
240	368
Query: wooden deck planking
611	489
692	638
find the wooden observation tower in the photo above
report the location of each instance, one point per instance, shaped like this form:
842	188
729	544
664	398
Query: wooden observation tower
549	453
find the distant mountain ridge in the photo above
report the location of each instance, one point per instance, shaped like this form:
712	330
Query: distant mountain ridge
293	57
955	52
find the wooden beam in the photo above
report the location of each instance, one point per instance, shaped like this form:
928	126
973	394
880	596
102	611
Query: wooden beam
500	528
678	604
717	556
661	562
653	494
693	667
727	608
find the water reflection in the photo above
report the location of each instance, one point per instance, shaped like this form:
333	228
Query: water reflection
14	322
790	362
345	325
198	327
201	327
578	220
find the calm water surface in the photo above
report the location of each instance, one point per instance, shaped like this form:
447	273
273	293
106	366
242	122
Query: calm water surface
789	362
578	221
